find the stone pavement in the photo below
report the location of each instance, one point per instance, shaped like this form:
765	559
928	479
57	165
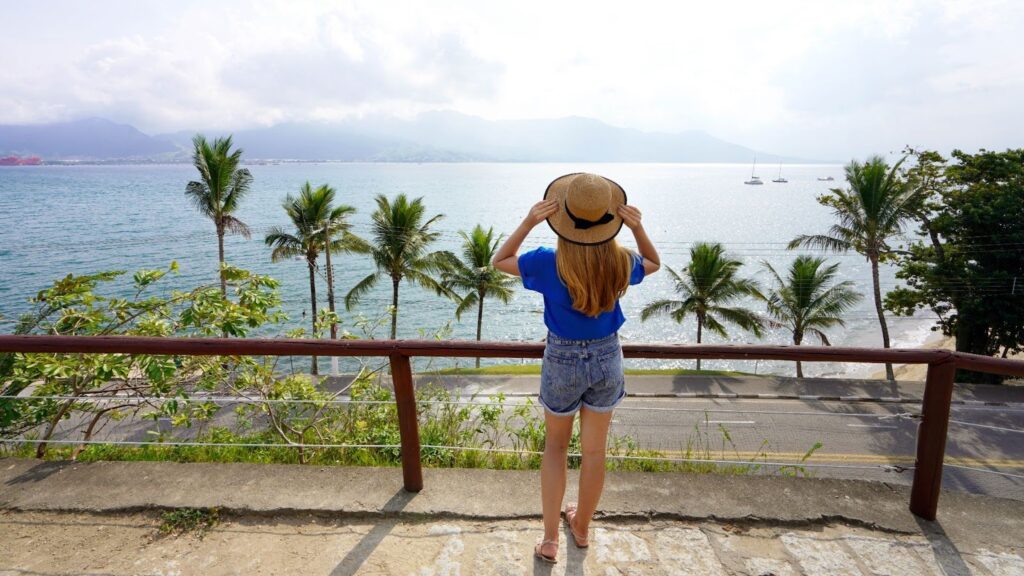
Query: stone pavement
128	543
58	518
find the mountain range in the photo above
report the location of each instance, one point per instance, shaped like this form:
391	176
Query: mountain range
429	137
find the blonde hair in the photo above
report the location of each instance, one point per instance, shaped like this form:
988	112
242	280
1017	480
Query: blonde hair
596	275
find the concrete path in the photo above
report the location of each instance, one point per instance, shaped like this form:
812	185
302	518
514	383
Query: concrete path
63	517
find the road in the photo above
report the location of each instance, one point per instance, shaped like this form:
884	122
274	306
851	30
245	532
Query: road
860	438
863	435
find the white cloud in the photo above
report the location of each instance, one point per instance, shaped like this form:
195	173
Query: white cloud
819	79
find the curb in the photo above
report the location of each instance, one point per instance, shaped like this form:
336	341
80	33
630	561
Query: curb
770	396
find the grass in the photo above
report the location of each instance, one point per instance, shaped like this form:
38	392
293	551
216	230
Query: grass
443	425
534	370
698	447
186	520
449	426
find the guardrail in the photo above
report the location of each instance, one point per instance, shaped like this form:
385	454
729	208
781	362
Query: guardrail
932	430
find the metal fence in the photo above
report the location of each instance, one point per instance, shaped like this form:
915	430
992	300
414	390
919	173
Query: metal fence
931	434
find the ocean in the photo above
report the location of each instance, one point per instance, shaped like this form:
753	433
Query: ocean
56	220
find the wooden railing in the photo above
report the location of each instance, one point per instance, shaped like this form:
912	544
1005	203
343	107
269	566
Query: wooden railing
931	437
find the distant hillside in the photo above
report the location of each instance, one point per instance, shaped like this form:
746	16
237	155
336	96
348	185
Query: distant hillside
429	137
572	139
326	142
90	139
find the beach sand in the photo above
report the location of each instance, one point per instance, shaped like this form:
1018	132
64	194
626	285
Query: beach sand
920	371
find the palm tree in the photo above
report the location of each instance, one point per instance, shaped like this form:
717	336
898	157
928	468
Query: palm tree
399	250
310	213
804	303
708	286
220	190
337	235
475	275
869	213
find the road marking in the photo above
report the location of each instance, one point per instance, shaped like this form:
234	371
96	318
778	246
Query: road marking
744	457
989	427
730	422
870	426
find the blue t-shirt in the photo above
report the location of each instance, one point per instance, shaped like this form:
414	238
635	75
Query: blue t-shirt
540	274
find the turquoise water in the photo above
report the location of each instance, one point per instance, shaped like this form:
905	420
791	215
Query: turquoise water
60	219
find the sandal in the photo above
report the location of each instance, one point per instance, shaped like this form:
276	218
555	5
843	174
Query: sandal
570	514
538	551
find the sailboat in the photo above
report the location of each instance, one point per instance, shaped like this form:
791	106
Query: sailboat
780	179
754	180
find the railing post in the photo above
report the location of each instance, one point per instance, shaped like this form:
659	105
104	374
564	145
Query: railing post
408	425
931	438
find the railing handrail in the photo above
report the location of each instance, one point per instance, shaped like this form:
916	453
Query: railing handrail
932	430
472	348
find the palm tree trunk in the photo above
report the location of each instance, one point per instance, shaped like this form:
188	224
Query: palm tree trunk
479	320
330	296
312	302
220	255
330	287
799	367
394	304
700	324
223	279
889	375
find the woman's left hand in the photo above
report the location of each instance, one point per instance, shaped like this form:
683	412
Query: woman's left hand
630	216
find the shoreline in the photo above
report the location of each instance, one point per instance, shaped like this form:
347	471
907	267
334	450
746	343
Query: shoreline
920	371
916	371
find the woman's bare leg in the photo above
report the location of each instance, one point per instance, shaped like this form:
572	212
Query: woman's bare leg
593	441
553	470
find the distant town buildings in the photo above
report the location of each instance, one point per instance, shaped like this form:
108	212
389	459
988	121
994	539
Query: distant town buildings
19	161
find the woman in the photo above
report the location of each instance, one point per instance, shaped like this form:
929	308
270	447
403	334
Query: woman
582	282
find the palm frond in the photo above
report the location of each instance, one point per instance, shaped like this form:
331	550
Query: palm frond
241	181
469	301
819	241
428	282
503	290
235	226
360	289
350	244
659	308
284	245
712	324
199	195
771	270
745	319
821	336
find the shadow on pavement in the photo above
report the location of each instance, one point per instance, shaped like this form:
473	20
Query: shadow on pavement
946	554
355	558
40	471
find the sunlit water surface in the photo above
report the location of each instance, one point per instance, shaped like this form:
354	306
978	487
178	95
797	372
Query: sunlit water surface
56	220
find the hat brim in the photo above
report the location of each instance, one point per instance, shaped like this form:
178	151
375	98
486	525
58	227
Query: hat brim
565	228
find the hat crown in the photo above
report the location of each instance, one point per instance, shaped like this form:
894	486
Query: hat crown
588	196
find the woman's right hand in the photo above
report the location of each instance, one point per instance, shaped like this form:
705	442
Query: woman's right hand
541	211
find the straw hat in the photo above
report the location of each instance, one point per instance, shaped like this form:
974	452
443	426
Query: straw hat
589	208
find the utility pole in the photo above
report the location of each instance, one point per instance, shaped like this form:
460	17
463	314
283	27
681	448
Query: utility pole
330	294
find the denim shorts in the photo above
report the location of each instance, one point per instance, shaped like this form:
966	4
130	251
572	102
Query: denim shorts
582	373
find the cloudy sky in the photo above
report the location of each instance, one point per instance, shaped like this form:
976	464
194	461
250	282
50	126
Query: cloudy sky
816	79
